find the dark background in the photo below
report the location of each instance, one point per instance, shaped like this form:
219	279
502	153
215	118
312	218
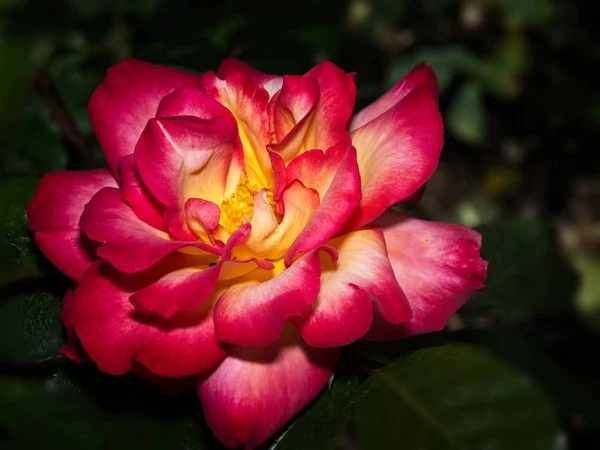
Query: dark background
521	105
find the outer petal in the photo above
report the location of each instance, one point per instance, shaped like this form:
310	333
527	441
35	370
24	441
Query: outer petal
184	157
114	334
397	153
360	277
109	220
253	310
70	251
256	390
54	213
438	266
340	190
231	66
421	75
72	349
125	101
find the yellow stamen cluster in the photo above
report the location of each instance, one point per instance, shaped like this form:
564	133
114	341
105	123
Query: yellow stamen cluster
239	207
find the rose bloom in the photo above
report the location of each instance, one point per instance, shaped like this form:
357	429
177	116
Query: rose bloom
240	234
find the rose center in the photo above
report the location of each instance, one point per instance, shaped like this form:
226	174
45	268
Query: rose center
239	207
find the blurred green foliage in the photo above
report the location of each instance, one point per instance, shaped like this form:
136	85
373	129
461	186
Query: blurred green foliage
519	95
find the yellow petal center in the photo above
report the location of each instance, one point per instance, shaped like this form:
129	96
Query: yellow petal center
239	207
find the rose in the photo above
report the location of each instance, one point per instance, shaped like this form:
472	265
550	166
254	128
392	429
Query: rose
241	234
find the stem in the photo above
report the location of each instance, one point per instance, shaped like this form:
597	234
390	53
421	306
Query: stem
60	114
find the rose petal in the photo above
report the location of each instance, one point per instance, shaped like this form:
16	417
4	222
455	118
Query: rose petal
438	266
184	157
397	153
72	349
256	390
109	220
271	240
115	334
54	214
336	177
421	75
254	309
188	287
70	251
325	124
361	277
335	106
125	101
231	66
248	102
61	197
295	102
136	195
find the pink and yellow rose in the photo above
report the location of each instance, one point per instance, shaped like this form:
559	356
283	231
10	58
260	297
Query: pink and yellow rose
240	234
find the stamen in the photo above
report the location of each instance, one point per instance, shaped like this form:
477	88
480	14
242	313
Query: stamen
239	207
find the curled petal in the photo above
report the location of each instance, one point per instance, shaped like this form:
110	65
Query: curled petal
248	102
115	334
136	195
54	214
325	124
70	251
279	175
125	101
421	76
294	103
254	309
196	103
335	106
438	266
231	66
193	102
336	175
107	219
361	278
256	390
397	153
187	287
184	157
61	197
268	239
202	215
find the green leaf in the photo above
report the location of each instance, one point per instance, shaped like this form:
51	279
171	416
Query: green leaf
587	300
527	12
454	397
30	148
30	328
526	274
18	254
574	401
93	8
103	412
502	74
465	117
25	57
322	422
